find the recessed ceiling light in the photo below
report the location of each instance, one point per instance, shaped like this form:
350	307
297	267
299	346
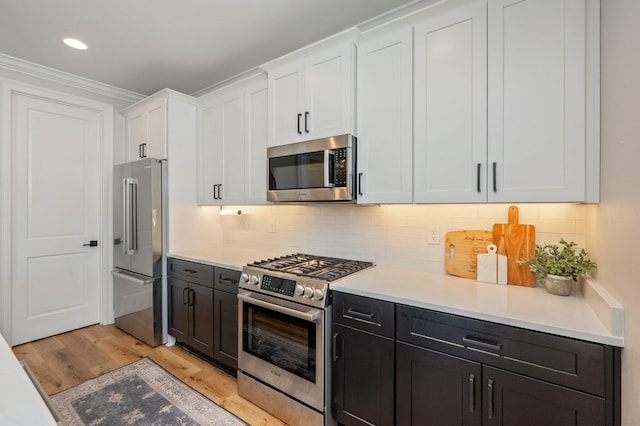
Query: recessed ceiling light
76	44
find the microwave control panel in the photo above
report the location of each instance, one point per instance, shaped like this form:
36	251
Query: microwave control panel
340	167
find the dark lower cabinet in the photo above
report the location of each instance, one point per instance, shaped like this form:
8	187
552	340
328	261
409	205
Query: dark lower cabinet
437	389
454	370
363	377
191	314
363	361
203	310
225	322
515	400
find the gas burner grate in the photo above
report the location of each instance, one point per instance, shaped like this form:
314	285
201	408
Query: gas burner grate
307	265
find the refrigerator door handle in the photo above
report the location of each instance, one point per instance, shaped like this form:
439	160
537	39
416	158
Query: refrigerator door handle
130	203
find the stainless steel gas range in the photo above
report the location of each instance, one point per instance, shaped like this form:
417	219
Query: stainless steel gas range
284	328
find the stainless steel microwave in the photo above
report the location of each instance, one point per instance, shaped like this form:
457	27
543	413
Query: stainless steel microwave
317	170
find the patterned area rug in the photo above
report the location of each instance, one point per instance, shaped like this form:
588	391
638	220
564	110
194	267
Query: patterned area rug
141	393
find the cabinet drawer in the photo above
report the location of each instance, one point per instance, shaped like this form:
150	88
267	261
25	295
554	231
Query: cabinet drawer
364	313
569	362
190	271
226	280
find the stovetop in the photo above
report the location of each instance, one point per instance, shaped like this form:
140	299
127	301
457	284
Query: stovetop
311	266
301	278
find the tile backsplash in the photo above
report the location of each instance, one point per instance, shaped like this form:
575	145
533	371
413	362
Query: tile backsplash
390	235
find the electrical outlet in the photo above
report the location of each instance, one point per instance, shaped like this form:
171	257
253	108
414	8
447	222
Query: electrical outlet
433	237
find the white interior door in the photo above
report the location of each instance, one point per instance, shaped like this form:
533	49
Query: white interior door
56	210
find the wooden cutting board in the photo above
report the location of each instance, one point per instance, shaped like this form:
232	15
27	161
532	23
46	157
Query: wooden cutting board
516	241
461	250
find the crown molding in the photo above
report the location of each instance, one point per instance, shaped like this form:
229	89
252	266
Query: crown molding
62	77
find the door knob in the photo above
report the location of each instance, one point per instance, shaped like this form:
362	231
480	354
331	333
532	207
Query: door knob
92	243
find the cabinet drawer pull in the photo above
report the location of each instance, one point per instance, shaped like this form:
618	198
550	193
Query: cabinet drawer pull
472	393
189	271
360	315
485	344
299	117
490	399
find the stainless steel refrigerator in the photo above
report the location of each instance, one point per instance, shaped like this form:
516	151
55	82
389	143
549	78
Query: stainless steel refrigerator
139	231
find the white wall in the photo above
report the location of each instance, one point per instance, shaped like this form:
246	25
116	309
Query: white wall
614	224
391	235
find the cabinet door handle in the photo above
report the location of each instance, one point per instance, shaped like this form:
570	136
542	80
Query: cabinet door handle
214	192
495	186
184	302
490	399
140	151
472	393
483	343
192	297
220	195
306	119
335	353
299	117
360	184
478	177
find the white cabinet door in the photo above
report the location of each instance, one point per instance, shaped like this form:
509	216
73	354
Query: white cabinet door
232	151
311	94
328	107
450	110
385	110
537	100
146	129
255	142
286	90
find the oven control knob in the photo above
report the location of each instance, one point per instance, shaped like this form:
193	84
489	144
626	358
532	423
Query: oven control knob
299	290
244	277
318	294
308	292
253	280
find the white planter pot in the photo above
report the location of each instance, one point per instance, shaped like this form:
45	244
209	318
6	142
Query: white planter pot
558	285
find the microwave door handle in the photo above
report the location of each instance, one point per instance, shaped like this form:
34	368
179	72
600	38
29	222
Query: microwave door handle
329	171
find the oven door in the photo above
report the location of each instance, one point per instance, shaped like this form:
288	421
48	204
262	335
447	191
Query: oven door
282	344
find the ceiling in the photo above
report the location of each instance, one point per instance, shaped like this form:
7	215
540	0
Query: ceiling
186	45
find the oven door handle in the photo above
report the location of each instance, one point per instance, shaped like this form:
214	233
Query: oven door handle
311	315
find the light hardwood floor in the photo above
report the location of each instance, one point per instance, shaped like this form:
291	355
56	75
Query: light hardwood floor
66	360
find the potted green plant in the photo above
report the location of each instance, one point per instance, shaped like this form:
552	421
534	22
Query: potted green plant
558	266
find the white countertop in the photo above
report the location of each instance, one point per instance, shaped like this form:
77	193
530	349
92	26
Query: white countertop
231	258
525	307
597	318
20	402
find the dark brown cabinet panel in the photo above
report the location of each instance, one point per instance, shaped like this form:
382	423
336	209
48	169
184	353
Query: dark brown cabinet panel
201	319
225	323
436	388
514	400
178	308
363	361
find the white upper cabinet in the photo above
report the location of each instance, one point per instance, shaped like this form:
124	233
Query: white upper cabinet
148	123
232	144
502	99
384	145
311	92
450	111
537	100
